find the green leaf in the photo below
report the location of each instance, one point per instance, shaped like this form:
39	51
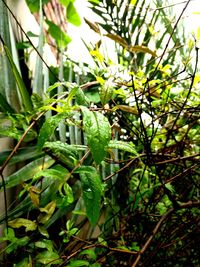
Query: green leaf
72	15
25	153
49	127
81	98
26	99
20	222
98	133
66	195
92	191
26	262
106	93
67	154
27	172
90	253
43	231
55	85
61	38
94	1
34	5
51	173
66	2
44	244
78	263
4	106
46	257
122	145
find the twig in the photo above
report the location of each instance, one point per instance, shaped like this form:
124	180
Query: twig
170	37
188	204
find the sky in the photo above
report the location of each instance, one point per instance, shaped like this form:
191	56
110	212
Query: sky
78	51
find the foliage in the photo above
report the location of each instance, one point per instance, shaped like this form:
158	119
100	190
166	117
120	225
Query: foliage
122	188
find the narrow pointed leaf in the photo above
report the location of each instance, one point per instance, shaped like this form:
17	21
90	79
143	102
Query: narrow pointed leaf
27	172
26	99
4	105
141	48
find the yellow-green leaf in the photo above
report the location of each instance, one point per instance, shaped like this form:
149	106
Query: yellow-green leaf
21	222
198	33
47	212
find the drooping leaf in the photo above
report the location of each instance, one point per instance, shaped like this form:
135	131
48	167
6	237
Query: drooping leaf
43	231
92	191
141	49
98	133
35	195
118	39
126	108
21	222
46	212
63	152
66	194
93	26
122	145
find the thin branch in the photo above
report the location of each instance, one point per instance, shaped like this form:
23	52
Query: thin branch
170	37
189	204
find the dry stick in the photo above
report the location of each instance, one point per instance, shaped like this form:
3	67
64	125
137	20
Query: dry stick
189	204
